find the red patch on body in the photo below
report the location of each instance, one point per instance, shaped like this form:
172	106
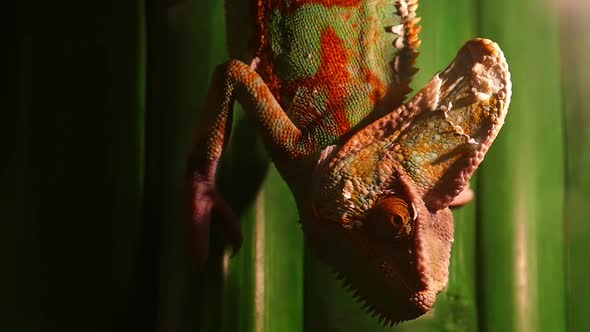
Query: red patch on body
266	67
332	79
332	47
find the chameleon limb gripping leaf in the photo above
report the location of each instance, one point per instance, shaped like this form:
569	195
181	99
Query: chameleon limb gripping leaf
373	177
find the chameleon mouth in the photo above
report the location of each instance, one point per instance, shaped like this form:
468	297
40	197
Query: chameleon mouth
389	287
397	311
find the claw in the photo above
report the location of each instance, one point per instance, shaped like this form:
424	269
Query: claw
201	205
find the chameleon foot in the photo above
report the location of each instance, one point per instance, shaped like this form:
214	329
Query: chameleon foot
206	200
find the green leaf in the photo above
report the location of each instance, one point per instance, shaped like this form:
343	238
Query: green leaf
522	183
575	47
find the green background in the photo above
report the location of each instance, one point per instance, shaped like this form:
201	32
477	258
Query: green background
102	100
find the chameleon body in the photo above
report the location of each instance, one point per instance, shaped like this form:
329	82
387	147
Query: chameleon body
325	82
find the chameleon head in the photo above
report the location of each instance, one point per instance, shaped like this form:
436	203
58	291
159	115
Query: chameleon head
379	212
394	257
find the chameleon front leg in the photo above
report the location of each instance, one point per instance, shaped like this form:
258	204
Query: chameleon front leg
232	81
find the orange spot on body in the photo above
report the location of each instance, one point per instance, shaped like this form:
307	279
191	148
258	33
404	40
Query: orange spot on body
379	87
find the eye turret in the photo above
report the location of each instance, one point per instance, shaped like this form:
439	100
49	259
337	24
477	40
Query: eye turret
391	218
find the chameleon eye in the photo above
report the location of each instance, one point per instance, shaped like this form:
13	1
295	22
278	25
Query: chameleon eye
391	218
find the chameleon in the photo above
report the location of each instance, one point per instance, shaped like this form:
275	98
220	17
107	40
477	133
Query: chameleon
373	174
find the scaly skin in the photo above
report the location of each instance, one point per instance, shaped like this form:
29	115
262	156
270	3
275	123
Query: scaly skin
373	179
